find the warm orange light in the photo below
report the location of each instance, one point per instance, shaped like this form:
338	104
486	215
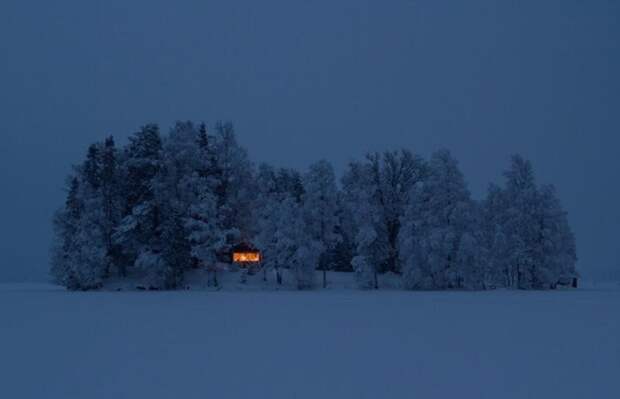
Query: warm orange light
246	257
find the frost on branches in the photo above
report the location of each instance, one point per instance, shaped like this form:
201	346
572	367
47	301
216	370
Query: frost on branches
162	205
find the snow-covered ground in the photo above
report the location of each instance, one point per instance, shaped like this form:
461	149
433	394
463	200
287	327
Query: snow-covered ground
335	343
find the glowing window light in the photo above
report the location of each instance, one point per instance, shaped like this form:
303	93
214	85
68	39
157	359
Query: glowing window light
246	257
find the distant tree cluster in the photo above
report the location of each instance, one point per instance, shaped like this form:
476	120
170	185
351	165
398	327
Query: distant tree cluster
161	206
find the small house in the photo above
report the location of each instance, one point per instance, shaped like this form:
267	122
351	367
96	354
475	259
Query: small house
246	255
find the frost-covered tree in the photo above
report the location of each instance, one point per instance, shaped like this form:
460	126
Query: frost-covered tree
82	248
364	224
162	205
140	229
235	189
66	224
383	182
528	235
279	193
473	256
141	164
320	208
369	255
347	228
566	241
209	235
79	256
437	237
393	176
269	238
111	200
86	259
279	181
305	261
494	240
189	200
174	188
205	235
284	240
520	224
290	181
558	252
556	243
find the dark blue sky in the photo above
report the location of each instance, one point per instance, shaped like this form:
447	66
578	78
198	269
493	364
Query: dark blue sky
304	80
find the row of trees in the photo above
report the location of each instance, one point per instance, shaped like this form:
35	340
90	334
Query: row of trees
160	206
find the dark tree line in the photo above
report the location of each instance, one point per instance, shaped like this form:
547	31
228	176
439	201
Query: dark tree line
162	205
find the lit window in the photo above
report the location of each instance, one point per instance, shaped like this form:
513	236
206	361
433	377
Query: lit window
246	257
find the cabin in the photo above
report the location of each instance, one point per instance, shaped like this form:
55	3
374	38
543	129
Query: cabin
246	255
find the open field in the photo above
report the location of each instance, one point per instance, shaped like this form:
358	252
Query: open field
322	344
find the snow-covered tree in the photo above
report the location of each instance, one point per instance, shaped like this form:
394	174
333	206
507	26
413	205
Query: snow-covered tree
65	224
174	188
566	244
305	261
140	229
290	181
270	180
369	254
142	162
160	206
235	189
205	235
473	256
79	256
111	200
393	176
86	259
382	183
520	224
557	242
528	235
179	172
365	224
284	240
347	229
208	236
94	196
436	235
494	240
320	208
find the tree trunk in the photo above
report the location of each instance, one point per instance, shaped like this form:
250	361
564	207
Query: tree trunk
376	281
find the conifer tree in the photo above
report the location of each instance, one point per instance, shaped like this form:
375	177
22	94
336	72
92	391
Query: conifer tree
140	229
111	200
65	225
234	186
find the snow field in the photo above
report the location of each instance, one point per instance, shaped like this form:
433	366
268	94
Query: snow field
318	344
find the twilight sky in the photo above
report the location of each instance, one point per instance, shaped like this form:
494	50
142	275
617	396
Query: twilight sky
304	80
